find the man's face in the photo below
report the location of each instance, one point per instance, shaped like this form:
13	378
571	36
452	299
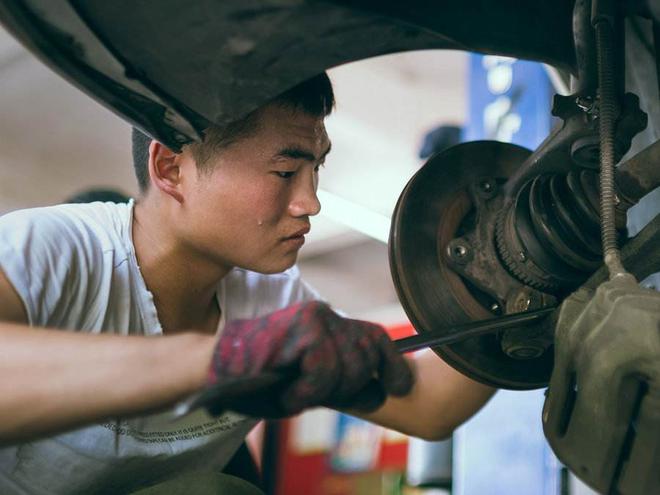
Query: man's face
252	209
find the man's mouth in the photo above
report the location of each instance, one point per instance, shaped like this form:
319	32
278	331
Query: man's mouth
298	234
296	239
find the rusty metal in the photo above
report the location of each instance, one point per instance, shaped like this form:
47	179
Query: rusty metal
445	273
640	255
555	223
639	175
549	238
526	343
574	142
446	269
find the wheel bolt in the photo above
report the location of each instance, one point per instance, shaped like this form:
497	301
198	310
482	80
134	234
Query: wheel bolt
459	251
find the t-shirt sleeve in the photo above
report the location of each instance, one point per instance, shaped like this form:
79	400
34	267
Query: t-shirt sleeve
41	254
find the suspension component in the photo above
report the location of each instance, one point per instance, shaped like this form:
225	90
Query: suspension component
549	236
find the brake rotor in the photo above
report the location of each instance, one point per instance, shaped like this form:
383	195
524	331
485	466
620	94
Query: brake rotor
435	207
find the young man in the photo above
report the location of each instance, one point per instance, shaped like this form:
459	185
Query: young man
209	246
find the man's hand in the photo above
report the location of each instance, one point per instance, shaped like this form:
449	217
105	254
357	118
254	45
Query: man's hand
602	412
324	359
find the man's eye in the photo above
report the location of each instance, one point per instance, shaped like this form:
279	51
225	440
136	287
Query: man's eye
284	175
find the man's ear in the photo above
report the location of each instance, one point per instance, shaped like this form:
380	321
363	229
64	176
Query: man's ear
165	170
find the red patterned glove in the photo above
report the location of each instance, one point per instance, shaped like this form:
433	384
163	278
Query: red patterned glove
323	360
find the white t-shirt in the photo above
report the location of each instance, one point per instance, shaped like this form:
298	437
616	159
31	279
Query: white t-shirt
74	267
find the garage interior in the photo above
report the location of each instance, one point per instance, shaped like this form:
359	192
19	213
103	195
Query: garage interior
57	141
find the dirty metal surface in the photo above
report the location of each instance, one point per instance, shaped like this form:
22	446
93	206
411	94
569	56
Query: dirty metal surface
173	67
434	210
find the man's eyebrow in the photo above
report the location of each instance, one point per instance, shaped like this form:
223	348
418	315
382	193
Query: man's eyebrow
297	153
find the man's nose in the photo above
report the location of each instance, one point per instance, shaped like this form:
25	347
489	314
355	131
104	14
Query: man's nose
305	201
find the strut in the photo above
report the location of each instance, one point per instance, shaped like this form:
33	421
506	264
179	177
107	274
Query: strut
549	237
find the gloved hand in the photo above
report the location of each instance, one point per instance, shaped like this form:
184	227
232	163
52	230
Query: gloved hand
602	412
323	360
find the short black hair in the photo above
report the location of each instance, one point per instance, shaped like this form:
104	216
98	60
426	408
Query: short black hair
313	96
140	148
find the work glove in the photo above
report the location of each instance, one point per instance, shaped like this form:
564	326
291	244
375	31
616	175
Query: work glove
602	412
305	356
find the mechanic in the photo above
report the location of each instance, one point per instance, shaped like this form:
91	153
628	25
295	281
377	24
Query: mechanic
86	390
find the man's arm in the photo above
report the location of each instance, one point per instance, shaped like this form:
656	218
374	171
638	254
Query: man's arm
52	380
440	401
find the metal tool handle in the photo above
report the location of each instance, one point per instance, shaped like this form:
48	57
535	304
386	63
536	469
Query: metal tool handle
469	330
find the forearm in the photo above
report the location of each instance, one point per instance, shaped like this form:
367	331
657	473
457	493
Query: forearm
52	380
440	401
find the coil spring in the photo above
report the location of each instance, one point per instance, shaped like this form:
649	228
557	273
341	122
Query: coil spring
549	237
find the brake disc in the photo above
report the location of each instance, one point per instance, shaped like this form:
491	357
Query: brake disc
434	208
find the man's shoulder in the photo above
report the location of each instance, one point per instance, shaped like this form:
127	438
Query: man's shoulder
91	221
57	258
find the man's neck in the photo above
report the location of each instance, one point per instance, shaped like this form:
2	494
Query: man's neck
183	284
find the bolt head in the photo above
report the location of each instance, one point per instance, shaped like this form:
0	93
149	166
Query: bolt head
459	251
585	103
